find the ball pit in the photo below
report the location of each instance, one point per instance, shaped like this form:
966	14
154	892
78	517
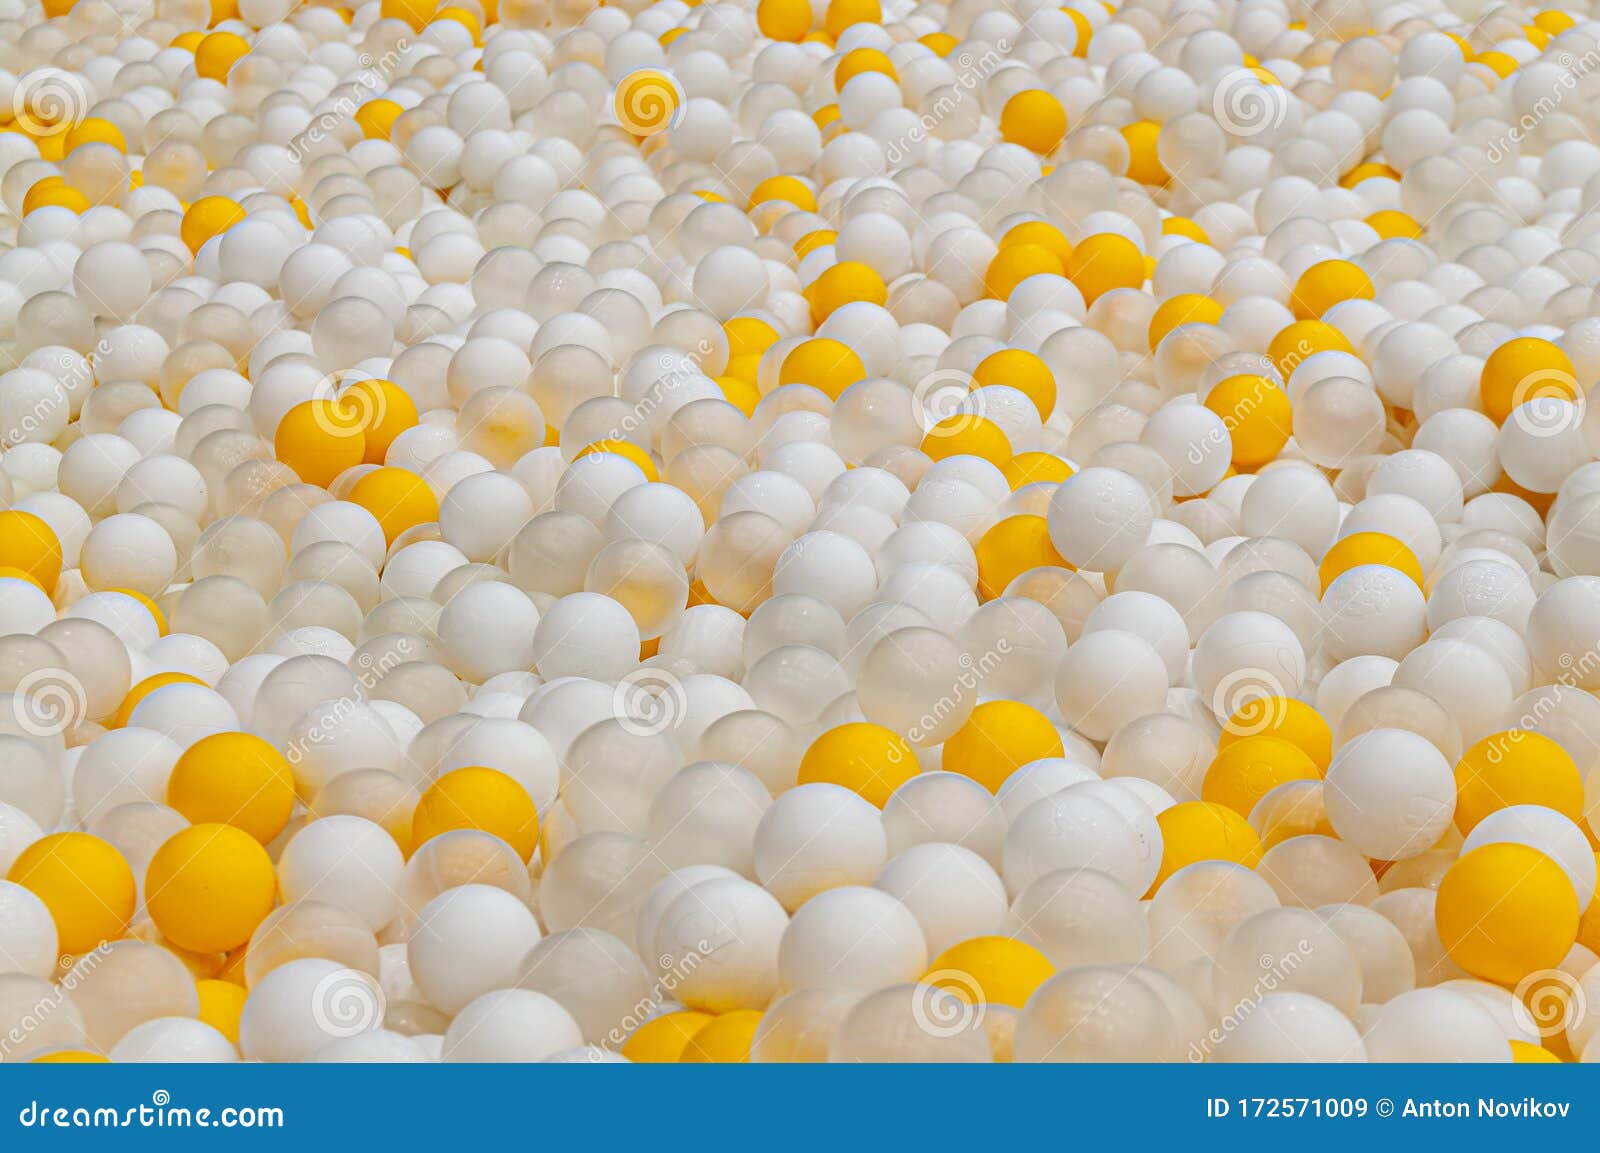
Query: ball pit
799	530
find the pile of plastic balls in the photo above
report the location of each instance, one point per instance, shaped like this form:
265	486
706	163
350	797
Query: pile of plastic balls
772	530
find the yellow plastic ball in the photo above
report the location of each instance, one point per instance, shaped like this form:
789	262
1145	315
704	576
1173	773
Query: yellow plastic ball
70	1057
148	605
749	336
414	12
17	574
1103	262
143	689
1503	64
1034	119
1185	308
384	410
1257	415
787	20
1391	223
1035	468
840	14
662	1040
990	971
746	368
1022	370
1304	338
221	1003
1504	911
1468	53
742	394
397	497
464	18
859	60
1247	770
1285	718
84	882
1589	923
50	140
1368	171
1553	22
844	283
812	241
627	450
53	192
209	886
1183	226
865	758
1042	233
234	779
790	189
997	740
1194	831
207	217
1522	370
1527	1053
1085	31
1326	284
376	118
478	798
1361	548
963	434
724	1040
95	130
28	543
825	364
319	439
1012	547
1011	266
1144	162
1516	767
218	53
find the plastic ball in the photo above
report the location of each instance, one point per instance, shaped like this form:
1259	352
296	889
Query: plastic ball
235	779
208	887
84	882
1506	910
469	941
